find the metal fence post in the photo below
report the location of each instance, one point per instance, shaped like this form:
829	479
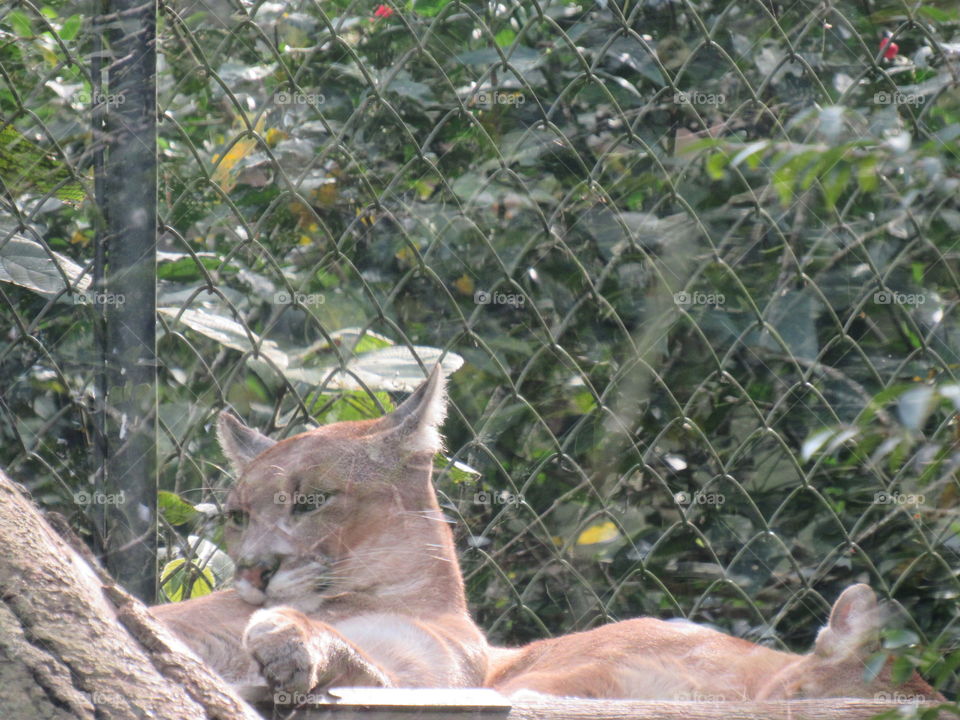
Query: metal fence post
129	294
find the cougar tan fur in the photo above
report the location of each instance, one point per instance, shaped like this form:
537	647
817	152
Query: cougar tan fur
346	574
655	659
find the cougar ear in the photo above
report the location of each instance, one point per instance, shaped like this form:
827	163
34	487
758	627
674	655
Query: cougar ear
416	422
239	443
854	629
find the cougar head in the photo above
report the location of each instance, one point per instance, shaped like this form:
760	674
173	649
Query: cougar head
345	508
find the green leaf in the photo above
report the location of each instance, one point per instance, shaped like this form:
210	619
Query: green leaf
867	174
356	405
429	8
937	14
505	37
716	165
902	669
584	402
834	184
175	509
20	24
899	638
26	167
458	472
71	26
181	267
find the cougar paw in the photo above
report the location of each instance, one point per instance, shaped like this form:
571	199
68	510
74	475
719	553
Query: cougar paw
279	640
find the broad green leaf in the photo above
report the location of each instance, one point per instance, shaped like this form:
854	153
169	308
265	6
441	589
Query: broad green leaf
228	332
505	37
174	509
26	263
716	165
899	638
181	267
392	369
71	26
429	8
355	405
835	183
938	15
867	173
354	340
27	167
20	23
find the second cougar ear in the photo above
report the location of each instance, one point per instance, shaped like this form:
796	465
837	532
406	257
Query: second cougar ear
416	422
239	443
854	628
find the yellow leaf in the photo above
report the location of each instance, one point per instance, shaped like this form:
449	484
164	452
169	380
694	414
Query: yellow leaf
222	173
174	575
464	284
406	256
604	532
325	195
302	212
274	136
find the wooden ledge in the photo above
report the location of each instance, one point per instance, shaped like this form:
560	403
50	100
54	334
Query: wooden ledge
485	704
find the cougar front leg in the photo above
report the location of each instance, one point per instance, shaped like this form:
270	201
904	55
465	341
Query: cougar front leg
298	654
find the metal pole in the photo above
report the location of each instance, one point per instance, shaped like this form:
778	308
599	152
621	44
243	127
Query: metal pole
129	296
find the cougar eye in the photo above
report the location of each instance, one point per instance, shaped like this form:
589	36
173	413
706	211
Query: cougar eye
237	517
308	502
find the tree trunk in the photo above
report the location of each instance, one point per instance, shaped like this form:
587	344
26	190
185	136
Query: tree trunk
74	645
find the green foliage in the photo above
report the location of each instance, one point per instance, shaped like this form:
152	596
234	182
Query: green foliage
704	286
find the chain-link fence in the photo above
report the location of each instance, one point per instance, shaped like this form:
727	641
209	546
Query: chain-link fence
700	261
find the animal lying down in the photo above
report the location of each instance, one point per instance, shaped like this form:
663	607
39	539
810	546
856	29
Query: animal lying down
346	575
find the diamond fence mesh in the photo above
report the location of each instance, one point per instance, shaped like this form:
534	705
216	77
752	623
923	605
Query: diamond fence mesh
699	260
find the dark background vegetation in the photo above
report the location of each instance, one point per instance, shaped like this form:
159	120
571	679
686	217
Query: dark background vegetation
717	377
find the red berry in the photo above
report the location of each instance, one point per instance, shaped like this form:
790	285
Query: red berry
890	49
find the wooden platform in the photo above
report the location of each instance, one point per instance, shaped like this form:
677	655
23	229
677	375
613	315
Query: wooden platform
484	704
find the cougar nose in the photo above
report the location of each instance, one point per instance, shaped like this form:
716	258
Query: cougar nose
257	572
